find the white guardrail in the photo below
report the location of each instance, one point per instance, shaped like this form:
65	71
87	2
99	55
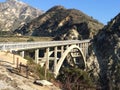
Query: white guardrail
9	46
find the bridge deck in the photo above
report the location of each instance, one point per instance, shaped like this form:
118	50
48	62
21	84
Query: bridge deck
33	45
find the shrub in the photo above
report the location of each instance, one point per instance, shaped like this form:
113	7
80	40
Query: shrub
39	72
75	79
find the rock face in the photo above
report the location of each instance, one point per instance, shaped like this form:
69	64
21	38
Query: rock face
107	48
93	67
62	23
15	13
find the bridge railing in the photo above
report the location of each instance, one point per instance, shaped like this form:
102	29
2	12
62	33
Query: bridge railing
30	45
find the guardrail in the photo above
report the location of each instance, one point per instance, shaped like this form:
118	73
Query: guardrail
8	46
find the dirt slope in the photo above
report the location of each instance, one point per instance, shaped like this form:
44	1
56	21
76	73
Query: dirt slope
12	81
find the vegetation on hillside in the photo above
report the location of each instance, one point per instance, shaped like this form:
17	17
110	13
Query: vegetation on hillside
58	21
39	72
75	79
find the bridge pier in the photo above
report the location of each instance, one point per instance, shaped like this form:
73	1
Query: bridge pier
67	46
62	50
47	58
87	45
55	60
36	55
22	54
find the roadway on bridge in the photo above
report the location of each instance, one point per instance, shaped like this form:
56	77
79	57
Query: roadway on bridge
9	46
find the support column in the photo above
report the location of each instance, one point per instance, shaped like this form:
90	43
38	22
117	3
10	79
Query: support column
36	55
67	47
47	58
22	54
62	50
86	49
81	46
55	56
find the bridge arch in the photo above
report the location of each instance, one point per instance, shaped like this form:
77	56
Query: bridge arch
61	60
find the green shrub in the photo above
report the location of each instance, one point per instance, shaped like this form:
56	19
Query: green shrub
39	71
75	78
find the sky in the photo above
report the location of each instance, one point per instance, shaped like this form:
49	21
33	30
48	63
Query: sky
101	10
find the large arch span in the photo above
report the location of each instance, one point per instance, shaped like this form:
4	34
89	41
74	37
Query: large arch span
61	60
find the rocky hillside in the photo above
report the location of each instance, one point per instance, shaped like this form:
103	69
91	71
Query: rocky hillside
12	81
107	47
62	23
15	13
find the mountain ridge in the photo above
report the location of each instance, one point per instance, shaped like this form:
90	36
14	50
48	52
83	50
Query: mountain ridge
59	21
14	13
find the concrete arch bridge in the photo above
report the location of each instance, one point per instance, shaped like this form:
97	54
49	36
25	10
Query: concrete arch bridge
55	51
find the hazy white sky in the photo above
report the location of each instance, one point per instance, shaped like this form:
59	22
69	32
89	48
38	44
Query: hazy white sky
102	10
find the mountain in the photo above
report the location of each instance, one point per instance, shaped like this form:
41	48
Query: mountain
107	47
14	13
62	23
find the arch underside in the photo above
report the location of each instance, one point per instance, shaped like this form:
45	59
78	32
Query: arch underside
61	60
